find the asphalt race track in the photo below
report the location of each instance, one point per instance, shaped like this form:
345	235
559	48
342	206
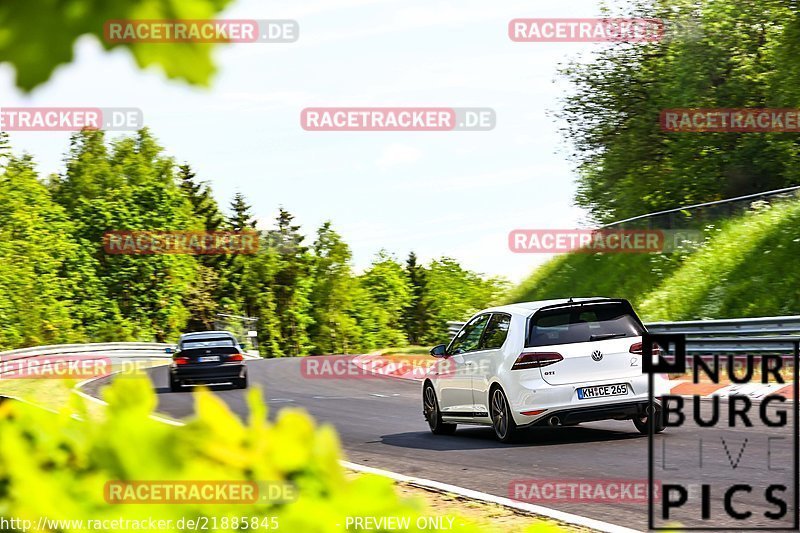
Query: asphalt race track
380	423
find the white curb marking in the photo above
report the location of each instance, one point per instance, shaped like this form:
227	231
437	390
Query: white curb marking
561	516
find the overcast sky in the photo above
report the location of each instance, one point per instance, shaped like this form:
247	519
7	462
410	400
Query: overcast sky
438	193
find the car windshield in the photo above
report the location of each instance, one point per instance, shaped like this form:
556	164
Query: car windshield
583	323
217	342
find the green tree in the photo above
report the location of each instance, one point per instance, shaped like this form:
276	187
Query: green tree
457	293
131	187
241	218
291	284
201	198
5	149
417	316
210	288
38	255
385	293
258	298
333	329
233	290
716	54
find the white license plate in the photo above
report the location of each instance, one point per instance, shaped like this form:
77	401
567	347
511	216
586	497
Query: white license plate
587	393
208	359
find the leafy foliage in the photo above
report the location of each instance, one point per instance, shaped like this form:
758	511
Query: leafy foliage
417	317
333	328
36	45
130	187
40	273
744	269
457	294
384	294
630	276
54	466
58	283
716	54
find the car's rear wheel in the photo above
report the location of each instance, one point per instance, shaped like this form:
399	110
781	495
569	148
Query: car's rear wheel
503	423
430	408
175	385
642	423
241	383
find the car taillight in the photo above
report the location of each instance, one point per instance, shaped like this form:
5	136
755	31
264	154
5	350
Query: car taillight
637	348
536	360
534	413
181	360
236	357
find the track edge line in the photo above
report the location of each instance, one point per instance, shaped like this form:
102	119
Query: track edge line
554	514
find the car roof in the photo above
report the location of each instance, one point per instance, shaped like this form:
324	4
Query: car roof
528	308
207	335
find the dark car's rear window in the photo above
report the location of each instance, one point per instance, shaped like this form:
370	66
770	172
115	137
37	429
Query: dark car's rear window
198	352
214	342
583	323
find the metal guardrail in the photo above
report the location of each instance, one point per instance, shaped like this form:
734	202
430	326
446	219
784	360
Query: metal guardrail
781	325
454	327
754	335
110	349
787	345
113	350
736	335
743	201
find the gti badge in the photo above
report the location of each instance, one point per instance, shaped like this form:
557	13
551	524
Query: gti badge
597	355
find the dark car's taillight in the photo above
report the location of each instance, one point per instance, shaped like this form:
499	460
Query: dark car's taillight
637	348
536	360
236	357
181	360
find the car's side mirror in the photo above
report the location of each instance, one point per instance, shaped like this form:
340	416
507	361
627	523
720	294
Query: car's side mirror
168	349
439	350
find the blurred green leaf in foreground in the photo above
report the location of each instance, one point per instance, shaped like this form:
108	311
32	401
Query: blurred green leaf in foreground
36	36
56	465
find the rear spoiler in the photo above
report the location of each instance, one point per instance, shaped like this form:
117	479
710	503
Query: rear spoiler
620	301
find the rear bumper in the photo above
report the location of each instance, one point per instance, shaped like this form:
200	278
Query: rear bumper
575	415
204	373
535	395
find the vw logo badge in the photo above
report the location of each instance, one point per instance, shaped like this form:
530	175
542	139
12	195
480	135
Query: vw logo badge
597	355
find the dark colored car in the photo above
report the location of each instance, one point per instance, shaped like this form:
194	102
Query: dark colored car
207	357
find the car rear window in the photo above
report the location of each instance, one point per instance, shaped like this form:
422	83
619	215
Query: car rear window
583	323
217	342
198	352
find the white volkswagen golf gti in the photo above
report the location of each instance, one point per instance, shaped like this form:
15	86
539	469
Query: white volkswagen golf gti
545	363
